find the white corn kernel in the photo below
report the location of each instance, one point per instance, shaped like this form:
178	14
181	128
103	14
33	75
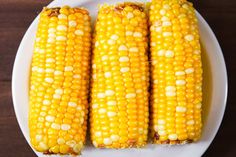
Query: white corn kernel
111	42
48	70
59	91
61	38
52	30
104	58
170	88
189	70
62	16
111	103
94	106
128	33
111	114
161	121
162	11
55	126
107	141
60	141
58	72
137	34
79	108
68	68
102	110
179	73
41	70
62	28
124	59
51	40
130	95
98	134
122	48
101	95
77	76
114	37
133	49
43	146
155	127
109	92
71	143
170	94
79	32
41	51
166	6
72	104
181	109
161	53
158	29
189	37
173	137
50	60
165	18
180	82
167	34
49	80
166	23
125	69
198	106
72	23
130	15
197	52
107	74
34	68
46	102
50	118
169	53
115	138
162	132
65	127
190	122
38	138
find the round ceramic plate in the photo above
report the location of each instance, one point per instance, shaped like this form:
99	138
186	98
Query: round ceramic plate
214	90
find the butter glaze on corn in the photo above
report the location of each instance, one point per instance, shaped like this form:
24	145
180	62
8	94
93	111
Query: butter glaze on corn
176	72
119	93
59	81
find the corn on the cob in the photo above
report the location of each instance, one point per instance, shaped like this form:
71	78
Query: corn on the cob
176	72
119	94
59	81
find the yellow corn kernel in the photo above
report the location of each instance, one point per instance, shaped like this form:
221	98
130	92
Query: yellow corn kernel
119	89
176	72
54	104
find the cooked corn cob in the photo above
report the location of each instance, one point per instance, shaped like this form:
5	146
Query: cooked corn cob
176	72
59	81
119	94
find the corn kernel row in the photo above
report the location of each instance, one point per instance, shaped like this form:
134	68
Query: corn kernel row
176	72
59	81
119	89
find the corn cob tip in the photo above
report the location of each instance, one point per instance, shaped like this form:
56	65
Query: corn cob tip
120	6
55	11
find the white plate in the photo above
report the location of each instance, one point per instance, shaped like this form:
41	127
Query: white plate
215	91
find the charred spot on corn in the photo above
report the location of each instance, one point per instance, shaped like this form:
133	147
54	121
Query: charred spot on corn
138	6
54	12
